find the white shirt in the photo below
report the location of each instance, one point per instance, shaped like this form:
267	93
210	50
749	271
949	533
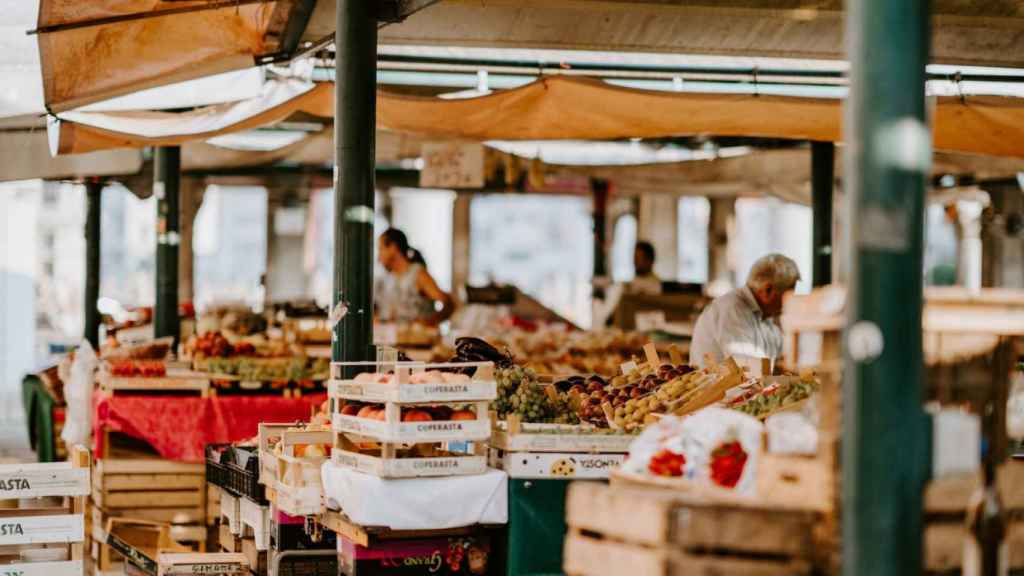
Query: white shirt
734	325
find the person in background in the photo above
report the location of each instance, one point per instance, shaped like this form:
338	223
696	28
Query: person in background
645	281
643	262
407	292
745	321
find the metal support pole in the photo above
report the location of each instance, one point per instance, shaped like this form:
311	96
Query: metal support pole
599	188
822	177
355	85
93	198
166	189
885	448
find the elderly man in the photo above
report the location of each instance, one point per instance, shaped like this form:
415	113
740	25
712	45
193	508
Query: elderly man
745	321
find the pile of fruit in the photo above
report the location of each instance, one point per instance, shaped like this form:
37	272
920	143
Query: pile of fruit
631	397
520	392
408	414
761	401
130	368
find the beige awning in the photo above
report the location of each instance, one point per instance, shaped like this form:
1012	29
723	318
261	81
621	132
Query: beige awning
98	49
556	108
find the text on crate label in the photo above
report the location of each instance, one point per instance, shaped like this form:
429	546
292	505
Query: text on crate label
14	484
224	568
434	464
446	389
439	427
433	561
11	530
599	463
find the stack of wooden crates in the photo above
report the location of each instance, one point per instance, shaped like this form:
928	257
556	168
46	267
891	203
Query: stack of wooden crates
145	487
42	517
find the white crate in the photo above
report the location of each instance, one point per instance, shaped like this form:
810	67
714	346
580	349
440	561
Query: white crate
41	480
65	568
257	518
544	465
230	509
393	430
558	438
414	393
462	465
304	501
57	529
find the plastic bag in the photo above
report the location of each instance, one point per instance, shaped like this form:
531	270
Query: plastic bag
78	395
715	446
791	433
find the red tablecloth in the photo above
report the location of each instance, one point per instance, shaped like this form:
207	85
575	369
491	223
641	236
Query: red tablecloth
180	427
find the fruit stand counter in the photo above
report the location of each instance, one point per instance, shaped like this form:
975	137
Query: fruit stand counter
179	427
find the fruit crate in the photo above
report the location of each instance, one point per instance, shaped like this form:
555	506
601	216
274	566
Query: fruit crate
235	469
621	530
293	479
513	435
44	535
388	460
401	387
392	429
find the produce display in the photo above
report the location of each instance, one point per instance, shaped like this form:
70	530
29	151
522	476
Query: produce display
557	351
521	393
632	396
254	358
715	446
373	411
760	400
131	368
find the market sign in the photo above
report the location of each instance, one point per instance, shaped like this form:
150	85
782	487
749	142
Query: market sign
452	165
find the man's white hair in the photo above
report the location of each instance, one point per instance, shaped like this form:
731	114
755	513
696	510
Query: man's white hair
776	270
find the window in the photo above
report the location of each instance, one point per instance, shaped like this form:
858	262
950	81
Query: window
541	244
230	245
767	225
694	212
623	245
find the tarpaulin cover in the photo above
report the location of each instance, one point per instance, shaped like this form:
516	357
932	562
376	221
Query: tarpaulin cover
95	62
561	107
180	427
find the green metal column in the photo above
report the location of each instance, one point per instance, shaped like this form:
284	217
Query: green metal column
599	189
93	201
166	188
885	445
355	83
822	176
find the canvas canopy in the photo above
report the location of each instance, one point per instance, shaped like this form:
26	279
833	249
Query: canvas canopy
556	107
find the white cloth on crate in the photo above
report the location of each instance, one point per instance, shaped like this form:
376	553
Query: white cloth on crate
417	503
733	325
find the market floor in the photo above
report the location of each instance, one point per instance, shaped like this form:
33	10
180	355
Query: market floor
14	445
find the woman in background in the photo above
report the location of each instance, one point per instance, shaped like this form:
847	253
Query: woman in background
407	292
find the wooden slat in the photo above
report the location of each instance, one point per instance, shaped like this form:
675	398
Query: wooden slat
179	515
591	557
944	546
147	466
161	499
950	495
656	517
151	482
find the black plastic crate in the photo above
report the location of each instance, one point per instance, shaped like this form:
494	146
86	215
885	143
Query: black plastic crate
237	470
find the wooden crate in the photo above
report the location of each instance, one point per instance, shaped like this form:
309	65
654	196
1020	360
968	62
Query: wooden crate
192	537
946	503
175	381
138	542
151	489
624	530
389	460
214	564
293	483
49	517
